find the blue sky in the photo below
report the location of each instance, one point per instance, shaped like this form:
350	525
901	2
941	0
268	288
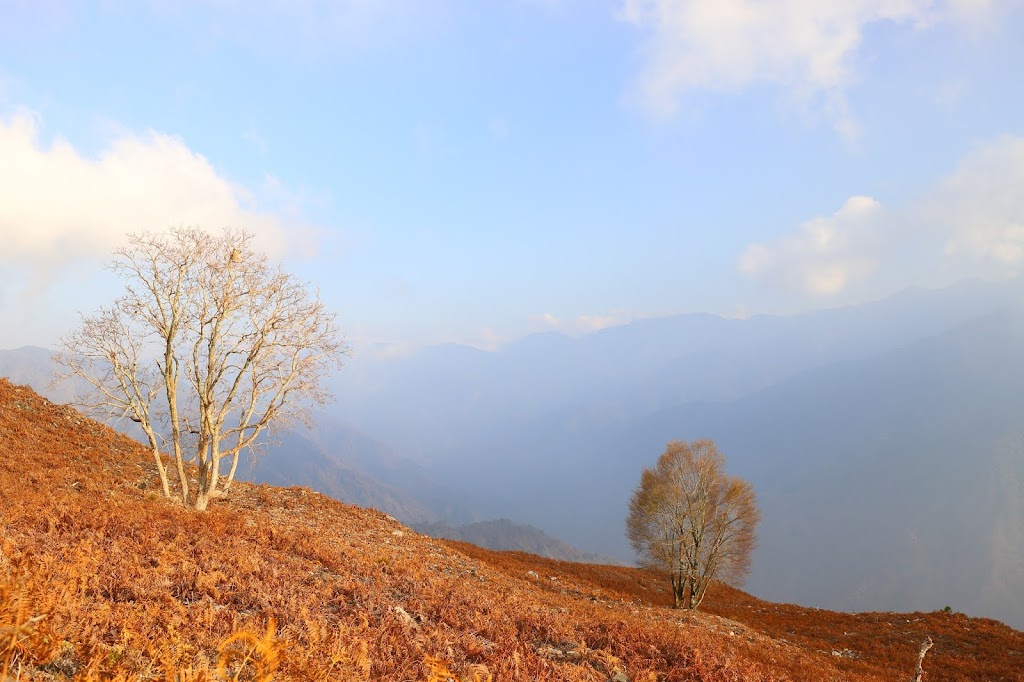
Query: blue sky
474	171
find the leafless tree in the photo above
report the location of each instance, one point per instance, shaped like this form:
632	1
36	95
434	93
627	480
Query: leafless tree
209	350
919	670
689	518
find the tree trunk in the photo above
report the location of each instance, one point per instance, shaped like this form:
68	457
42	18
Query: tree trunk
925	646
171	391
162	470
677	593
202	499
212	478
206	487
697	589
182	480
231	473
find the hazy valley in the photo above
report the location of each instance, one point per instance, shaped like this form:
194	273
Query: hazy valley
883	440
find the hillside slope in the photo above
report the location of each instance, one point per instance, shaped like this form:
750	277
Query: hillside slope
335	459
102	579
884	643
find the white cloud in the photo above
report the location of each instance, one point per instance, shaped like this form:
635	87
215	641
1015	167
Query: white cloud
978	14
971	223
62	213
824	255
805	46
585	324
981	206
58	206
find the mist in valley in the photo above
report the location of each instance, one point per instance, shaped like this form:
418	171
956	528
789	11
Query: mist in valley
884	441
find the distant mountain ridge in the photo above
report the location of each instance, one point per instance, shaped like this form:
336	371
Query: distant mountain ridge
33	366
441	399
506	535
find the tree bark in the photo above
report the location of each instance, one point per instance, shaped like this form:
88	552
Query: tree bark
231	474
925	646
202	500
162	470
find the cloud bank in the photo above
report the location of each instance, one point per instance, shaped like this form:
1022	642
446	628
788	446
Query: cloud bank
970	224
981	206
823	255
58	206
805	46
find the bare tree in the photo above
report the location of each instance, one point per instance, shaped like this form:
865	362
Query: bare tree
208	350
919	671
691	519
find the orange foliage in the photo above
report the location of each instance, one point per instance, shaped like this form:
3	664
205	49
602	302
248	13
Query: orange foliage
102	579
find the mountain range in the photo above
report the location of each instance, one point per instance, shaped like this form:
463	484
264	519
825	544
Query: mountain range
885	441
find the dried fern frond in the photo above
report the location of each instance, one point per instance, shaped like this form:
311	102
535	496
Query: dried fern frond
248	656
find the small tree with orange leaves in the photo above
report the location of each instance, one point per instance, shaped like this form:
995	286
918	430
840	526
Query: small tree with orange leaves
691	519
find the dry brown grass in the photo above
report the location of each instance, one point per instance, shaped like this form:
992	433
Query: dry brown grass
103	579
881	644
